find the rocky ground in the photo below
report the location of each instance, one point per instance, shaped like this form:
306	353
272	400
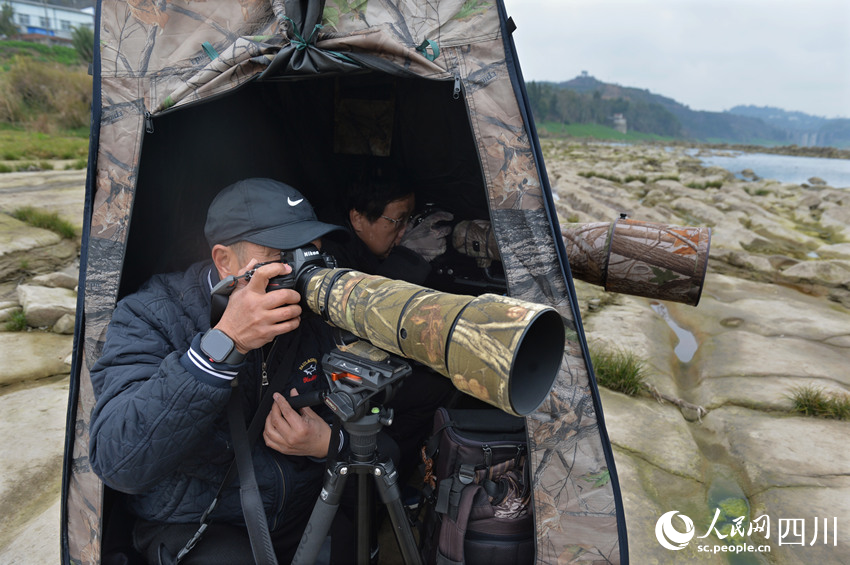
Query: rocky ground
774	314
38	275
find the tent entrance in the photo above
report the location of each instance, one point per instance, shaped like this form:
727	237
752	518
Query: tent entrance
314	133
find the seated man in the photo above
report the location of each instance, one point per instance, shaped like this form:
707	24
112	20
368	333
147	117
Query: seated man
377	215
159	430
377	211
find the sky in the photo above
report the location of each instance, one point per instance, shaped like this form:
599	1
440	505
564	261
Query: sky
706	54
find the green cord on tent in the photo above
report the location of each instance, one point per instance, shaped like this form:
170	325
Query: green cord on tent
301	44
209	50
435	49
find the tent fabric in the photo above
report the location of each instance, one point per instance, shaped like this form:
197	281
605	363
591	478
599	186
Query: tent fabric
155	58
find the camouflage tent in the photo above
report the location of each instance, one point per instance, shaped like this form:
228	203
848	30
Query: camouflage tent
192	95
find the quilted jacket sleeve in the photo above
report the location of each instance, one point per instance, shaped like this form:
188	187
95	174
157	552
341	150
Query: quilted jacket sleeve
153	406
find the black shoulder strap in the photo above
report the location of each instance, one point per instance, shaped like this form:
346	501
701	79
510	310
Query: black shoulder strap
250	437
252	502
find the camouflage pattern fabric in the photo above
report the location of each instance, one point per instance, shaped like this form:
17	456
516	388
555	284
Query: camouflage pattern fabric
428	238
475	238
474	341
164	54
640	258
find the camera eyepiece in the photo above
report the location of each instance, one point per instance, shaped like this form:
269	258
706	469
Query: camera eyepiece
303	260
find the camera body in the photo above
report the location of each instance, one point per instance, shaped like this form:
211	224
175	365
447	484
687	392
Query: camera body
303	261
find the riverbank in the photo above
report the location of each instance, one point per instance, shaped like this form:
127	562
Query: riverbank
796	150
774	315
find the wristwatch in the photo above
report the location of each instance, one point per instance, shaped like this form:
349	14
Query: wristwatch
220	348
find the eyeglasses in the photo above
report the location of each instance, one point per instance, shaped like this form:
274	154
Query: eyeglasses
398	223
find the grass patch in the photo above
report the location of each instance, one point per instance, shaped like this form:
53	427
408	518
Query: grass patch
619	370
46	220
596	131
58	54
704	185
628	178
77	165
24	166
814	401
17	322
17	144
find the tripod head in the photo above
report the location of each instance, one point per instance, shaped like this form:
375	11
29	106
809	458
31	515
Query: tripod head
360	377
355	379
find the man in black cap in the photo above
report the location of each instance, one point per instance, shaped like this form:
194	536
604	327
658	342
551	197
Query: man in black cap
160	430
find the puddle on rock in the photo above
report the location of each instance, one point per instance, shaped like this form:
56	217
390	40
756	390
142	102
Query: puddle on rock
687	346
727	500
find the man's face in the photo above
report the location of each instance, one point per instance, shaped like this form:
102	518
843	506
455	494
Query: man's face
246	251
381	235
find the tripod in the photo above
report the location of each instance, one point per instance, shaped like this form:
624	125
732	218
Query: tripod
363	426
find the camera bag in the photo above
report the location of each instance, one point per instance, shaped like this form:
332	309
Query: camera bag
477	495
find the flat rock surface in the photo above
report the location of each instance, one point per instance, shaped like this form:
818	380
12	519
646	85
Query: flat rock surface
32	429
28	356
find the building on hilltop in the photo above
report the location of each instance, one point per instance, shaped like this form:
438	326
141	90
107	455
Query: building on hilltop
619	123
48	23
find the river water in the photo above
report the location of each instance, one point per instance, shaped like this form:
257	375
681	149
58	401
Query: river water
784	168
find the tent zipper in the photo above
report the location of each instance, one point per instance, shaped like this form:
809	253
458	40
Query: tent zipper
148	121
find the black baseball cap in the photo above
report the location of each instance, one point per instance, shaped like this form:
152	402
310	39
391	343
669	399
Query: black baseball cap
266	212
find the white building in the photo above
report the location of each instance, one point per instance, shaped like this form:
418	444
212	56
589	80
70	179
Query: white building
42	18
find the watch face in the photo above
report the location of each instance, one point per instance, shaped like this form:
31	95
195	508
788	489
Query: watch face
216	345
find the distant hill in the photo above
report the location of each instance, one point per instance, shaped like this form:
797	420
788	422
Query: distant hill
585	99
804	128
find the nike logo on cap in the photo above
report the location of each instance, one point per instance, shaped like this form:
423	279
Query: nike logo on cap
294	202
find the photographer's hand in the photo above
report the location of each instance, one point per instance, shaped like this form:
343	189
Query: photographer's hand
254	317
296	432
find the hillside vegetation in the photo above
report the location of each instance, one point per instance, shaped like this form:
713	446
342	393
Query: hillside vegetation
45	102
584	100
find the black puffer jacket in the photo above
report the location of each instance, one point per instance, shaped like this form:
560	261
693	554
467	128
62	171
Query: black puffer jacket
159	430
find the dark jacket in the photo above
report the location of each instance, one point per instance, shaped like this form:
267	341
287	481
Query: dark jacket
401	264
159	430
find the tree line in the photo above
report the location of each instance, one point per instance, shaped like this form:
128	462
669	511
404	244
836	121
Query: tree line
551	103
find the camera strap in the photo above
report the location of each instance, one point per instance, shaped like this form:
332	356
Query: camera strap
243	440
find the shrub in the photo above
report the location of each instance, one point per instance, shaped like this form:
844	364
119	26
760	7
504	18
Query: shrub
45	94
618	370
82	38
815	401
46	220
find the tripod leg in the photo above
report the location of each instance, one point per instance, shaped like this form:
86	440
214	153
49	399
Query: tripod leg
323	514
365	526
390	493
